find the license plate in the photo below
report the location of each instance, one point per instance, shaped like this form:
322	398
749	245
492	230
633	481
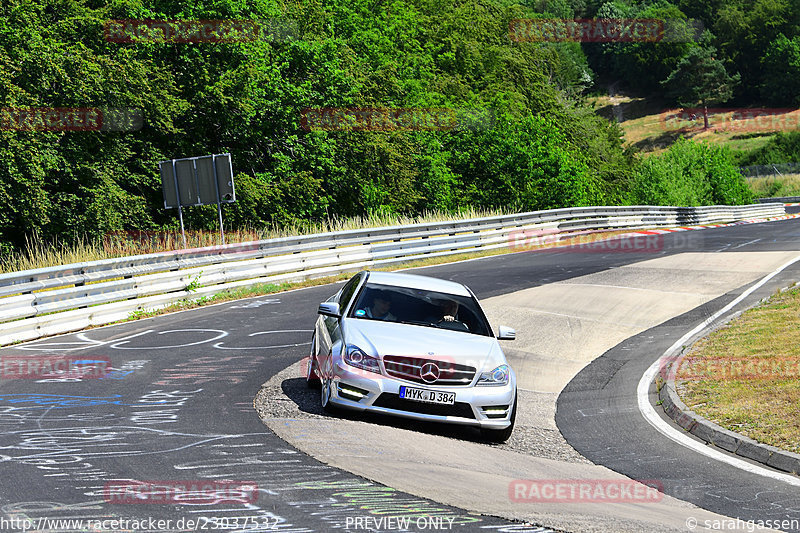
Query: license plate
427	396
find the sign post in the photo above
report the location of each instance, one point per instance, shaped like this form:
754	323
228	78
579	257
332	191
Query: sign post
219	205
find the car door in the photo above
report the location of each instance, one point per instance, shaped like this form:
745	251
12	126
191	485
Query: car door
328	330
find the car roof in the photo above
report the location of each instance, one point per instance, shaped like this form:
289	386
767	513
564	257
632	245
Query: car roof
413	281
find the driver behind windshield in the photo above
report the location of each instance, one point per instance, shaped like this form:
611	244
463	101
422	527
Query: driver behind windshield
447	311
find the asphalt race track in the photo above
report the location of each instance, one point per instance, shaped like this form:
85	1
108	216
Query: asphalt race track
177	406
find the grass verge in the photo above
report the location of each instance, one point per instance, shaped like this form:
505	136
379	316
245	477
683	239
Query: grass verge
744	376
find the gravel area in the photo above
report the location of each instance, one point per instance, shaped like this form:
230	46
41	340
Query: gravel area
287	396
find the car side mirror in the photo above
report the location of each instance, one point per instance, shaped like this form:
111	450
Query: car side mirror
329	309
506	333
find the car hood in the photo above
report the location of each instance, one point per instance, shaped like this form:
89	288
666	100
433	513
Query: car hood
378	339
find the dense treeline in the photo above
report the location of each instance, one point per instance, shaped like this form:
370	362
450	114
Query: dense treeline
546	147
757	39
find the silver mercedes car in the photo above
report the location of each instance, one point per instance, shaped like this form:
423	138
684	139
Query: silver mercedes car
416	347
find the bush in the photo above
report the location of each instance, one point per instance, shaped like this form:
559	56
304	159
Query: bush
690	174
783	148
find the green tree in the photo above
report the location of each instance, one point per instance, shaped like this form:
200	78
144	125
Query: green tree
781	70
745	30
642	65
700	78
547	149
523	165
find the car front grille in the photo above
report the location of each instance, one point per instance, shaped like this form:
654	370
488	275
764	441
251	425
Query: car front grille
393	401
408	368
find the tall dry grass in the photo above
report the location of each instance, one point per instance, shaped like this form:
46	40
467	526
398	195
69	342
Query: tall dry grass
775	186
40	254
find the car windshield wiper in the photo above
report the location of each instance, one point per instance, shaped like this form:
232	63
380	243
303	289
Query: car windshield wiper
415	323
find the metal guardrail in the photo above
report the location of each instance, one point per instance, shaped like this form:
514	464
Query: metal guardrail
781	199
47	301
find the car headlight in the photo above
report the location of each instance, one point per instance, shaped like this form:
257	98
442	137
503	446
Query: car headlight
498	376
354	356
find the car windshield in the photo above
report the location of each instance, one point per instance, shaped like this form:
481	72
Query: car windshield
420	307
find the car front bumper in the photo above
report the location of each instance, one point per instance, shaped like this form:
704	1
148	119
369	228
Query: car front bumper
487	406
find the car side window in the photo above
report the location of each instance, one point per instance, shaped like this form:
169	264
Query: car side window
347	292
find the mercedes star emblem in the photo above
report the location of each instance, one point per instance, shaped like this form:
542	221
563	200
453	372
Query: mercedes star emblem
429	372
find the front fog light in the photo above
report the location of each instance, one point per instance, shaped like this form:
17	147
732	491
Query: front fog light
498	376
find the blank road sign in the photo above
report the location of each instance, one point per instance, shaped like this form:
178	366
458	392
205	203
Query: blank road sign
198	183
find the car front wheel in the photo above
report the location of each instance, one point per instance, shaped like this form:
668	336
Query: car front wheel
327	386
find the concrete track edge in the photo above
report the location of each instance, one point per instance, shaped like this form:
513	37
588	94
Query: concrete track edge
714	434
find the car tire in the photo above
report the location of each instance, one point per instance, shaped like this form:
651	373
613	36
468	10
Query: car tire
326	379
499	436
312	376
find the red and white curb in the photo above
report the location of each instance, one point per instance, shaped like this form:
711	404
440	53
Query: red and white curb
525	242
662	231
